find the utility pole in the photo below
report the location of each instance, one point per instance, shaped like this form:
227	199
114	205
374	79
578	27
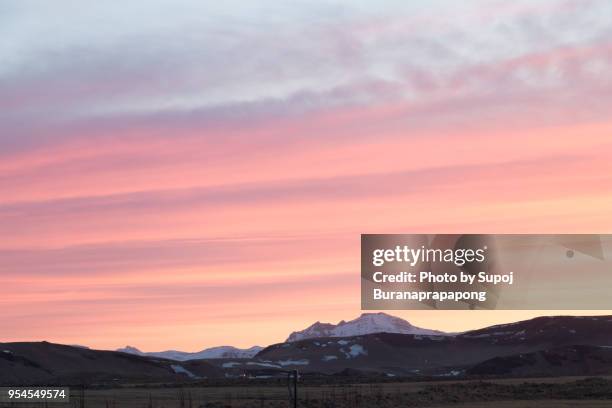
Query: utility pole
295	379
292	379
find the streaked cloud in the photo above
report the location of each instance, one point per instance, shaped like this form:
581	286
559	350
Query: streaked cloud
156	157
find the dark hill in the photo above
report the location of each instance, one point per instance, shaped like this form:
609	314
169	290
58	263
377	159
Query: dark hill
48	363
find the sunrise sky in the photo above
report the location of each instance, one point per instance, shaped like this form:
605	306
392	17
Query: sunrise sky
185	174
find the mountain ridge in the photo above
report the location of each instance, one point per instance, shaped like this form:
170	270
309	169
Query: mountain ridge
210	353
543	346
366	323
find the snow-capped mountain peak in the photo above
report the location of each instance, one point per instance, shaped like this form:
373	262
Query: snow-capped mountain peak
130	350
367	323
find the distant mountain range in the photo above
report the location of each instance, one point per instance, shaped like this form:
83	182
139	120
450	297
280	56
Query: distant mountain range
555	345
367	323
206	354
544	346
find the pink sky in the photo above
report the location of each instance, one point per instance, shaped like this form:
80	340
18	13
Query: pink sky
195	181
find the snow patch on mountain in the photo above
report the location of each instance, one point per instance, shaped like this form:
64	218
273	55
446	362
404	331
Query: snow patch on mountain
356	350
182	370
263	364
367	323
293	362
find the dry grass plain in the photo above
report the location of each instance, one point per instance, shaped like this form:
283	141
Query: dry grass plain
507	393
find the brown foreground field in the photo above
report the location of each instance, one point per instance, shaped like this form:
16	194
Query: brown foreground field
514	393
